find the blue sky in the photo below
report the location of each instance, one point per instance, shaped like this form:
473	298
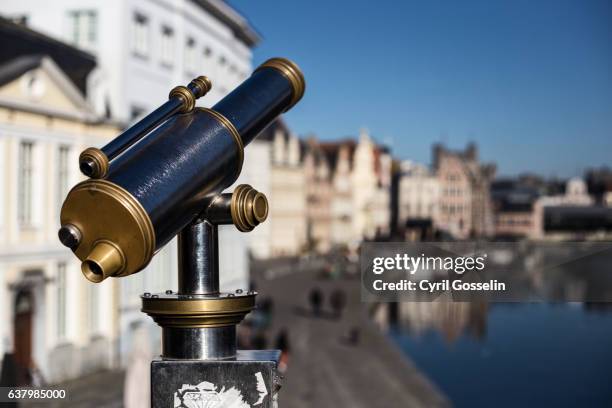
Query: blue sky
529	81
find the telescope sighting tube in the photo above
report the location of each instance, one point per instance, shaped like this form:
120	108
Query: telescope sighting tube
159	183
94	162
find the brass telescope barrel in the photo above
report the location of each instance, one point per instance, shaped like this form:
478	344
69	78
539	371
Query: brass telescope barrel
159	185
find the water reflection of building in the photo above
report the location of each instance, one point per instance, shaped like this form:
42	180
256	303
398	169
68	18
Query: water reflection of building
450	319
56	323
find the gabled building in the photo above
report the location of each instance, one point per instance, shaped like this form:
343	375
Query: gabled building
18	40
465	204
319	193
378	219
418	199
339	156
350	183
418	193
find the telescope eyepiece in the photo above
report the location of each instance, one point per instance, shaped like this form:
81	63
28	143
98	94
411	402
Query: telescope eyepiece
87	166
105	259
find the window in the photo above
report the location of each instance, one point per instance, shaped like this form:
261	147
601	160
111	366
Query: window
61	300
83	26
63	176
191	63
207	59
33	85
167	46
24	198
140	33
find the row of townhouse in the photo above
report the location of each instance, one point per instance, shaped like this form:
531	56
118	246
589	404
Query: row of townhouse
459	197
552	211
322	194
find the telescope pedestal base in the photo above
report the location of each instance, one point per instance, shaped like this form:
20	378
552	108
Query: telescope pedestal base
251	377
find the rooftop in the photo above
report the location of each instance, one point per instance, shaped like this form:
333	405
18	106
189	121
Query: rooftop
21	41
241	27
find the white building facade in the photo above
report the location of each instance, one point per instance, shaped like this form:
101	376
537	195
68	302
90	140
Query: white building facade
419	193
273	166
371	188
144	48
357	201
287	195
55	323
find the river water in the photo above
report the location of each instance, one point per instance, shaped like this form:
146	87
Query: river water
511	355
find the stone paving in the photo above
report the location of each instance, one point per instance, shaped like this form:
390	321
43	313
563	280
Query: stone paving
324	369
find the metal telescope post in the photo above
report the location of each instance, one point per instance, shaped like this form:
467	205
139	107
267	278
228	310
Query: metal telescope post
164	177
199	361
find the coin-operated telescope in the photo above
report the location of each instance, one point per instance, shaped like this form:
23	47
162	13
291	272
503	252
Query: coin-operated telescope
164	177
